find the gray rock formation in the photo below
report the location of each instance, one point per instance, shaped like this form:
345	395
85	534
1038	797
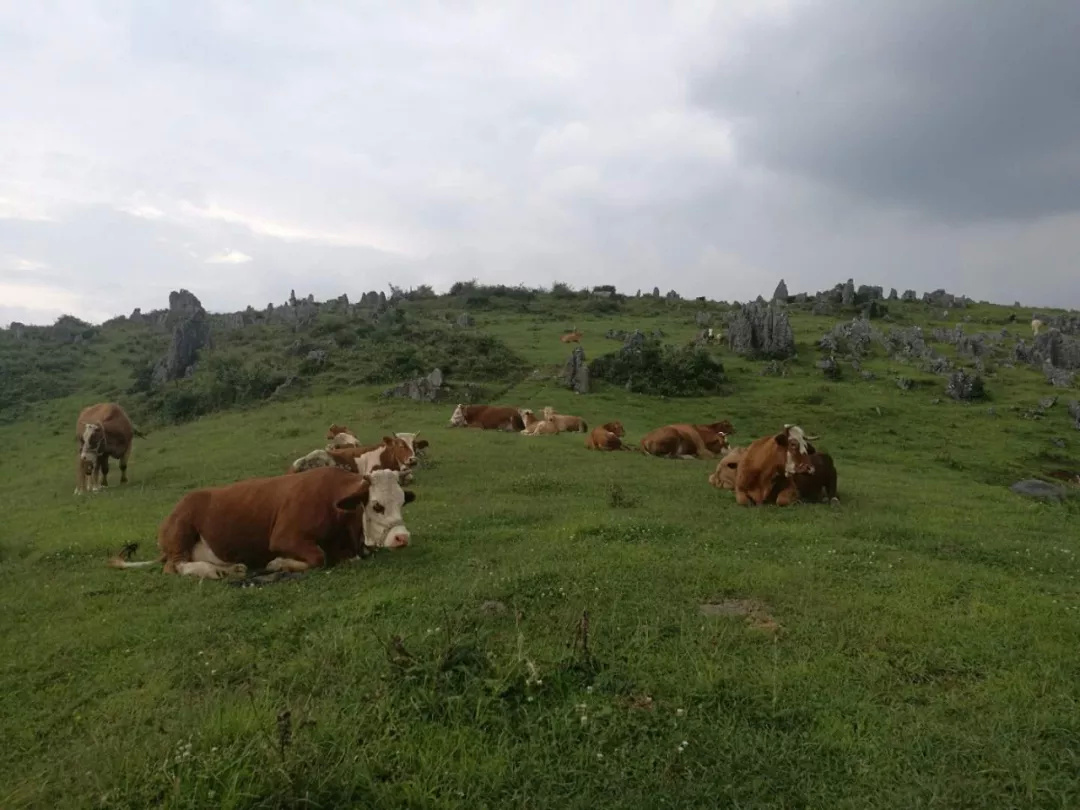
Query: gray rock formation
909	295
1074	412
703	319
421	389
1058	377
780	294
576	373
190	335
965	386
758	330
830	368
848	293
892	294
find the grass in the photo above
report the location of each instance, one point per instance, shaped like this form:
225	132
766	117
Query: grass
913	647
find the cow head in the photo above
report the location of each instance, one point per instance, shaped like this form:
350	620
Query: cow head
93	443
616	428
397	454
724	475
724	427
458	417
528	417
377	501
797	450
549	413
415	444
715	441
335	429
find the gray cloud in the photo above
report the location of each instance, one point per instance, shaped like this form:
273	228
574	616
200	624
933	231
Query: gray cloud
243	150
952	109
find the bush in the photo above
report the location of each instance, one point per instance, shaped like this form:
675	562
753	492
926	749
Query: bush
644	366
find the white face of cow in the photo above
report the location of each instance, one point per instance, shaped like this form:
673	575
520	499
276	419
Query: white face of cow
458	419
384	526
798	451
549	413
92	439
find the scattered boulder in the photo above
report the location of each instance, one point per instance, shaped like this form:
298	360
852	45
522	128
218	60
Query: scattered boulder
774	368
892	294
869	376
576	373
1034	488
761	330
965	386
316	357
1058	377
830	368
1074	412
905	383
847	295
421	389
703	319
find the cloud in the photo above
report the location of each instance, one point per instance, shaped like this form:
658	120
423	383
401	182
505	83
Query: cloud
923	104
710	147
229	257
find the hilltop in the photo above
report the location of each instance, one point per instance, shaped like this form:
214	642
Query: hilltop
568	628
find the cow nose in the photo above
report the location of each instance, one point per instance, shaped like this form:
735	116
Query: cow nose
412	461
398	539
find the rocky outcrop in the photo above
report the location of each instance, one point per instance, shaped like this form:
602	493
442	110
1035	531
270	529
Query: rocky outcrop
190	335
421	389
780	294
576	373
761	330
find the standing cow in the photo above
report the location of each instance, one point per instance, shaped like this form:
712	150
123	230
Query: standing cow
103	431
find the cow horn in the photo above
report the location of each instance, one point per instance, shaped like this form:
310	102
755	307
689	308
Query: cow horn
812	438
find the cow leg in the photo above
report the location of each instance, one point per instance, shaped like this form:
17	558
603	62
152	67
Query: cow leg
787	496
123	465
103	467
742	498
206	570
296	555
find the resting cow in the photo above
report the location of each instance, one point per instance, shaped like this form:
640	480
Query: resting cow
284	523
392	454
565	422
819	485
765	473
688	441
572	337
606	437
340	436
102	431
487	417
723	477
537	427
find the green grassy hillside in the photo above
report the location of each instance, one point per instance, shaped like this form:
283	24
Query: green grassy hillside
915	646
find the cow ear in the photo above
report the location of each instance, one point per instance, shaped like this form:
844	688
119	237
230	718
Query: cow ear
781	439
387	439
420	445
358	497
410	496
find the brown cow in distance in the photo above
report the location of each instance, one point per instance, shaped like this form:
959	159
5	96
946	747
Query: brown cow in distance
573	337
565	422
723	477
341	436
606	437
819	485
284	523
102	431
687	441
765	473
537	427
487	417
392	453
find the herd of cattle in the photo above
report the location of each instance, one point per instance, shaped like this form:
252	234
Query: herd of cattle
341	501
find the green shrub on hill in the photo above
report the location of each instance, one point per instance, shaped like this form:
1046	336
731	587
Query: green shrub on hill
645	366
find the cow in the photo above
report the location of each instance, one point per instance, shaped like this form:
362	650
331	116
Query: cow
723	477
572	337
687	441
487	417
102	431
820	484
340	436
391	454
765	472
416	445
283	523
606	437
565	422
537	427
1036	326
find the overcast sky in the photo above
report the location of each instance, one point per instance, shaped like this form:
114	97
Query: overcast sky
243	149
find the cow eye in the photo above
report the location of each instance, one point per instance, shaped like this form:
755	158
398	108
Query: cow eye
379	508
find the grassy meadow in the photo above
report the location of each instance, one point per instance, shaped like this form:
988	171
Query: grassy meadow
568	629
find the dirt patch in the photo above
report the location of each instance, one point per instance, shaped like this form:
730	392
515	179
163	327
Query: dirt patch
756	613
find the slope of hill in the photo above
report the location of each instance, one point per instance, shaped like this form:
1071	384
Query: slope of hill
914	646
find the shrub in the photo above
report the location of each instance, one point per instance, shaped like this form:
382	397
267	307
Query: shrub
644	366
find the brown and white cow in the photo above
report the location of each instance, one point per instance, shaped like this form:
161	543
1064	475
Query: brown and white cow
723	477
565	422
819	485
284	523
391	454
103	431
416	445
606	437
687	441
487	417
765	472
341	436
537	427
572	337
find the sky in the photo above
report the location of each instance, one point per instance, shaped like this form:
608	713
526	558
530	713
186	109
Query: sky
245	149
